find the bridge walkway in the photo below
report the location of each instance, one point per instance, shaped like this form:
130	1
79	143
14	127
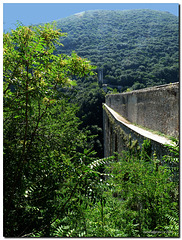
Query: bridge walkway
150	135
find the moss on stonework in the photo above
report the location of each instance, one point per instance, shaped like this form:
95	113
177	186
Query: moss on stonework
127	141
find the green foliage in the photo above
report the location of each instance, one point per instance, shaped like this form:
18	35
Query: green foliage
146	151
136	199
45	153
147	194
89	98
135	48
54	186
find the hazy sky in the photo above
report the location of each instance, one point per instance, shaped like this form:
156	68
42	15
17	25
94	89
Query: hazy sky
34	13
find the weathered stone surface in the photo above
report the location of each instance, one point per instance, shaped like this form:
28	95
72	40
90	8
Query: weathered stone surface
117	131
156	108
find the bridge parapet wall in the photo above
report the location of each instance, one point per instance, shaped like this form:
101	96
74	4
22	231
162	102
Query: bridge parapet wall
120	134
156	108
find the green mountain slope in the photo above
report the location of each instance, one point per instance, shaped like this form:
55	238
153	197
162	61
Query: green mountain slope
135	48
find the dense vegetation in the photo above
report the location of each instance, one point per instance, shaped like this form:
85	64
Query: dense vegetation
89	97
43	146
135	48
54	183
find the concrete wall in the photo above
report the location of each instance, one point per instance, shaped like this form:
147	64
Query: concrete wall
156	108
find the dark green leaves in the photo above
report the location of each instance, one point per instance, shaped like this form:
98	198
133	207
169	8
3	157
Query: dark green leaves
132	46
42	144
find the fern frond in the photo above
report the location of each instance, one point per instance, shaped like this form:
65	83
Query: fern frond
100	162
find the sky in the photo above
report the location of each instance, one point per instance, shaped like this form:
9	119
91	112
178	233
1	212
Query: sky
35	13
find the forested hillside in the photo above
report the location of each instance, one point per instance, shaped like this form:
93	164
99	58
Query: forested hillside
135	48
55	183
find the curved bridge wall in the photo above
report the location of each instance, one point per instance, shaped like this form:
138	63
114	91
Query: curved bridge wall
156	108
117	135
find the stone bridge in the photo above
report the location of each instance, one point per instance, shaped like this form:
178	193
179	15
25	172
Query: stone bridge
150	113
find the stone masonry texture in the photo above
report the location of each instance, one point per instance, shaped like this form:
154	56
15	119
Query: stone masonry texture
156	108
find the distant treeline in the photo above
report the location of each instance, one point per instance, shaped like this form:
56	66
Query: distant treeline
135	48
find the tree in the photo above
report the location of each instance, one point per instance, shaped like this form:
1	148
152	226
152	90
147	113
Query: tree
148	191
138	198
90	98
42	164
129	41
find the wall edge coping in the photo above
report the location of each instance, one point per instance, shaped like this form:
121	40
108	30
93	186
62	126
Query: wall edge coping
147	134
154	88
